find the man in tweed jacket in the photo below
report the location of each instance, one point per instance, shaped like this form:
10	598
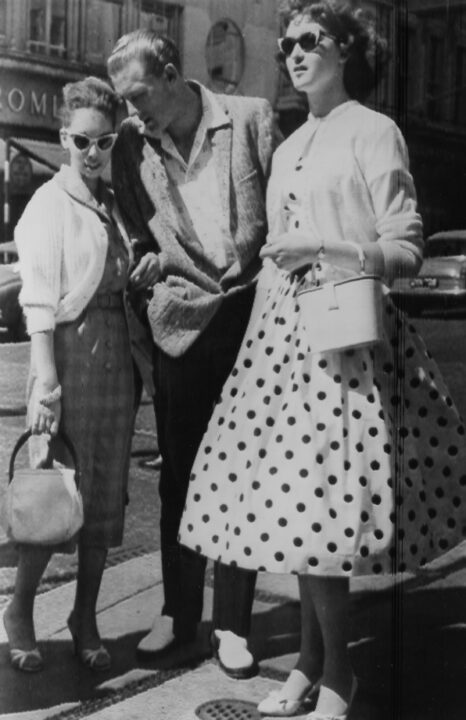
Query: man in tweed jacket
189	171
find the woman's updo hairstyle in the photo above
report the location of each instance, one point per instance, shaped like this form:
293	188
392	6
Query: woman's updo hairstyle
91	92
354	28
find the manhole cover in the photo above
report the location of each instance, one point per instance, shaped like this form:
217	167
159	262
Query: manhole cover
228	710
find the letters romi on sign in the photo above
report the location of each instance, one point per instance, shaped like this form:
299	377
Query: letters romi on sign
35	103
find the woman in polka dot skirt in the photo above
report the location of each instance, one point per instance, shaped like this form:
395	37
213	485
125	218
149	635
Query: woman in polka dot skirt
336	463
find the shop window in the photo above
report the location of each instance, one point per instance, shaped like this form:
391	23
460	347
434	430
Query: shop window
47	27
382	14
412	71
163	18
460	87
103	26
436	75
225	55
2	18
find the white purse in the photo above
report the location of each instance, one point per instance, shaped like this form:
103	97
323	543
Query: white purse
341	314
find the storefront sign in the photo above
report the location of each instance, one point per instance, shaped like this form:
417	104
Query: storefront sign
29	100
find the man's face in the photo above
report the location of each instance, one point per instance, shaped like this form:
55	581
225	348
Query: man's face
147	96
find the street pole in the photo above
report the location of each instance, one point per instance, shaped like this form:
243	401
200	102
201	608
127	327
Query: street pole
6	196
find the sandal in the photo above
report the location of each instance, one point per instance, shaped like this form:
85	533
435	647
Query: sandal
28	661
95	659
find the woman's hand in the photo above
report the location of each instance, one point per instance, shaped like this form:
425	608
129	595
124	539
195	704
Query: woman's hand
291	250
45	419
146	273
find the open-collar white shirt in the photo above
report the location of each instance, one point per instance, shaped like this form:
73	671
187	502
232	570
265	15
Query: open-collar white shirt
195	186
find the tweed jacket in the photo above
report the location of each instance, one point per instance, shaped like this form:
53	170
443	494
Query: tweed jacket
191	289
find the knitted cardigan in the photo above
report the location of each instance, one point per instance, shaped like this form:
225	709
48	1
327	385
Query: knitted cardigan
191	288
62	244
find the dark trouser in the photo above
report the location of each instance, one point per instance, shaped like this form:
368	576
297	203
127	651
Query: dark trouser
186	391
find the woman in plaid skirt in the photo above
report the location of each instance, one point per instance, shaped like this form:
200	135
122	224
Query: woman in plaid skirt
74	258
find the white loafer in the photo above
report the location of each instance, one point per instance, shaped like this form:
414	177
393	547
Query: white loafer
233	655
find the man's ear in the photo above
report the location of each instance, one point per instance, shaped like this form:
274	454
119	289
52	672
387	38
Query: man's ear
170	72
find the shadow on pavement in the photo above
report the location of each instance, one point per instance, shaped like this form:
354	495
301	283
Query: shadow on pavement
408	652
65	680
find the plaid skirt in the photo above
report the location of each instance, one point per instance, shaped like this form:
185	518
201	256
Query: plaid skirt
94	366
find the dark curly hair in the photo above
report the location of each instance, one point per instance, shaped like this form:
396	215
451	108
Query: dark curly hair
91	92
354	28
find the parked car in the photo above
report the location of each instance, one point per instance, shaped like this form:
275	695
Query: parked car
440	286
8	252
11	316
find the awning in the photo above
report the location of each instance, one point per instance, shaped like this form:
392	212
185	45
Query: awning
52	155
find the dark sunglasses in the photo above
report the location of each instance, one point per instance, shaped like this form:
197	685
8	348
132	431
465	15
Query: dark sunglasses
308	41
104	142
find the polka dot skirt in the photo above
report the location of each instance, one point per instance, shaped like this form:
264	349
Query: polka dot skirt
335	463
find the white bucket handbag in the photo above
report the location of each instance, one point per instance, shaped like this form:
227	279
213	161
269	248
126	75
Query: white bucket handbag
341	314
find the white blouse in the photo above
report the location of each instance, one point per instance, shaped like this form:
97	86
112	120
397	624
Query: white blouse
345	177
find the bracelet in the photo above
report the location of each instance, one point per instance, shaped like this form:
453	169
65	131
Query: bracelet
51	397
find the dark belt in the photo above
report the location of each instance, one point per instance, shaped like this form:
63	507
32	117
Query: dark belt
106	301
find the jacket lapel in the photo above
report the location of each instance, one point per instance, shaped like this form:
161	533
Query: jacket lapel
155	176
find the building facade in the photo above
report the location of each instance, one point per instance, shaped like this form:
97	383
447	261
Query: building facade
424	90
226	44
435	108
230	46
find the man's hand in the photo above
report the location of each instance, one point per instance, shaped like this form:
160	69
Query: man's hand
146	273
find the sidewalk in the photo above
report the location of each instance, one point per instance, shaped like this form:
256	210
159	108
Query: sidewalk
408	648
408	641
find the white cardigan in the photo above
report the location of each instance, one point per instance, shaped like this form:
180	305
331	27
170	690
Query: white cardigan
62	245
356	184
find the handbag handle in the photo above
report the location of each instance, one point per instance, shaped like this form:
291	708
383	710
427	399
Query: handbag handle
23	440
356	246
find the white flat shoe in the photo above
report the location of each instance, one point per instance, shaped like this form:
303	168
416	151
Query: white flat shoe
324	716
277	705
160	637
163	638
316	715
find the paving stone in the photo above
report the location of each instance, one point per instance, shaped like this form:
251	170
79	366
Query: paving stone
178	699
118	683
